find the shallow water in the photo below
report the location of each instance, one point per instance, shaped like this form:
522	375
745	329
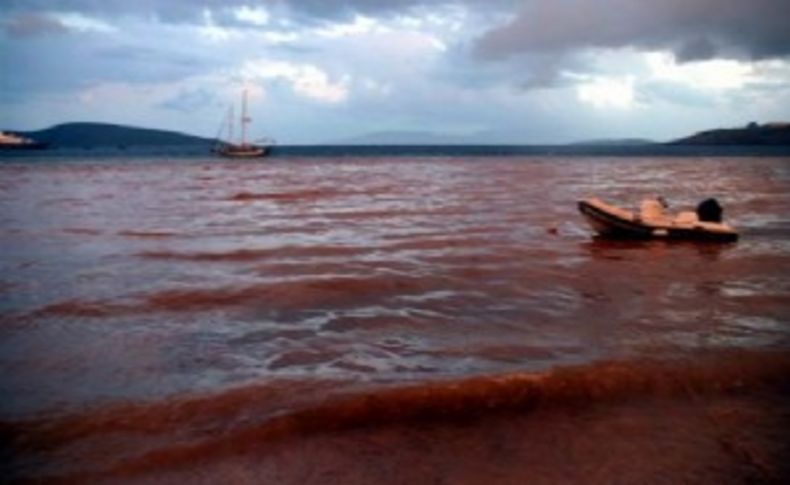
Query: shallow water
163	319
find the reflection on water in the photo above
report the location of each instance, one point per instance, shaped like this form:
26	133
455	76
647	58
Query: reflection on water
194	297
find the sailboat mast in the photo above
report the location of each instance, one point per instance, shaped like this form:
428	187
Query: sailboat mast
244	118
231	115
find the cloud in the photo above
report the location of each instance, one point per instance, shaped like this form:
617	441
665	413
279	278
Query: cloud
319	69
691	29
698	49
711	75
252	15
235	12
189	100
33	25
306	80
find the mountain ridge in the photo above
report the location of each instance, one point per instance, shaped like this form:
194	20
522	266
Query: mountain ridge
774	134
92	134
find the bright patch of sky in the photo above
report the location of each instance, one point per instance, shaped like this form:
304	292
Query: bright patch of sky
607	92
83	23
306	80
254	15
714	74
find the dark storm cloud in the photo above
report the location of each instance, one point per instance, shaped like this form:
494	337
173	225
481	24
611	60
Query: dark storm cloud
692	29
697	49
32	25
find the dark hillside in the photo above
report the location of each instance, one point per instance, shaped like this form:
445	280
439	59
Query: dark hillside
769	134
77	135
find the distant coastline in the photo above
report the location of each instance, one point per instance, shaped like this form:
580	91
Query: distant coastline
74	138
769	134
105	135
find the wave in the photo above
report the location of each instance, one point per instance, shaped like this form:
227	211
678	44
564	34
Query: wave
82	231
244	255
298	293
84	308
306	195
282	196
146	234
302	293
185	431
445	243
388	213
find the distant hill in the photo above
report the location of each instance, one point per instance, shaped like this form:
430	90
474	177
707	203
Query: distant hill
90	135
753	134
418	138
404	138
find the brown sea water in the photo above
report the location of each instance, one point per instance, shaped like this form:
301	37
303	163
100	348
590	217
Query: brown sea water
389	320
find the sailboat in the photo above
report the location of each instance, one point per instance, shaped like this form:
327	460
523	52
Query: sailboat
242	149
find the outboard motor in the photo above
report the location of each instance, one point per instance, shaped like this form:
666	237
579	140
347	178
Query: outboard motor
709	210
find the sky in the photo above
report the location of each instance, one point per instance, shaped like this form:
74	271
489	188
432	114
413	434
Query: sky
324	71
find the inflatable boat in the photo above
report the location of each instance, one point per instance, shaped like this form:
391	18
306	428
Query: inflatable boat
612	221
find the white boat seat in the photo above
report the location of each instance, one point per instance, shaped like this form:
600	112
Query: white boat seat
686	218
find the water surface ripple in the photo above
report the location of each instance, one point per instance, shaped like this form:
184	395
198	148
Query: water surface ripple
156	282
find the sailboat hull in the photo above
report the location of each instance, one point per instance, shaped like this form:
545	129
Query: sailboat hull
249	151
